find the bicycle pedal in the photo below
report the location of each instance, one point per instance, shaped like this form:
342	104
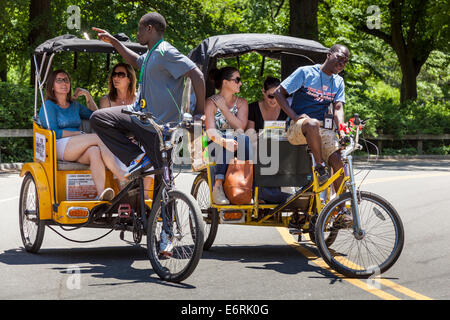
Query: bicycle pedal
295	231
124	210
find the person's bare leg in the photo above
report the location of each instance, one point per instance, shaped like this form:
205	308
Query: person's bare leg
93	158
110	161
311	131
77	146
336	163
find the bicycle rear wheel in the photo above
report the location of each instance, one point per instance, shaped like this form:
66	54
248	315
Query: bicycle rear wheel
375	252
32	228
185	229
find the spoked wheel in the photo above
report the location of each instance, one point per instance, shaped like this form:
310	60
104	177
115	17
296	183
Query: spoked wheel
372	252
184	229
200	191
31	227
331	236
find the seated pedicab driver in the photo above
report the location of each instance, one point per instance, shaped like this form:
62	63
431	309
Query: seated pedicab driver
314	88
161	84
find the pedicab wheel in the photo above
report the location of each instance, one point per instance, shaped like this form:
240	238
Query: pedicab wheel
200	191
31	227
185	224
371	252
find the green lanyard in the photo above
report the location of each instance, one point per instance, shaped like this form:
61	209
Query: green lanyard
146	58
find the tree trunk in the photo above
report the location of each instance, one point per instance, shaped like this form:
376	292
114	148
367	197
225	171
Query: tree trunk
39	14
3	67
408	89
303	19
303	24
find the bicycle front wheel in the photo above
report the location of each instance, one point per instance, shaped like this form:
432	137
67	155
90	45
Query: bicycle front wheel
360	256
182	225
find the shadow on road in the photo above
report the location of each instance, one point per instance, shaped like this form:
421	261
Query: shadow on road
279	258
115	263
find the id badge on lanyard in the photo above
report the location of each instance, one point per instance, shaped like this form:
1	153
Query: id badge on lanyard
328	117
141	103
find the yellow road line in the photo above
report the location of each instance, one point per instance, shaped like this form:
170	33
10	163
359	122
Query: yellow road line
403	290
289	239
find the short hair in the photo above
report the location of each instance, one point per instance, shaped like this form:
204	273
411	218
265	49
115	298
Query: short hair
156	20
338	47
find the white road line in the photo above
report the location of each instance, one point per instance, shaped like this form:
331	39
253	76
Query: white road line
9	199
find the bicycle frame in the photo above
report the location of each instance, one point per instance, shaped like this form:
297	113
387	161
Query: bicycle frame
313	190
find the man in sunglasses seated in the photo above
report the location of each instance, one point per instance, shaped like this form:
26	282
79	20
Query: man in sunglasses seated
318	102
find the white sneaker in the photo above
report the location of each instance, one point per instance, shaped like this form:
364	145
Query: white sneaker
165	246
107	195
218	196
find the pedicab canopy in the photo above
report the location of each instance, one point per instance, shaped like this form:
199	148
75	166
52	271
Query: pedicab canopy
70	42
205	55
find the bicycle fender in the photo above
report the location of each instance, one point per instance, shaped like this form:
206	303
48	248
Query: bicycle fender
42	186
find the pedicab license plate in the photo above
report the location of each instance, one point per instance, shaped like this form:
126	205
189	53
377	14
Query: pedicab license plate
80	187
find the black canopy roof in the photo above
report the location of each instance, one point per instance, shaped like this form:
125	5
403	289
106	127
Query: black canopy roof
70	42
273	46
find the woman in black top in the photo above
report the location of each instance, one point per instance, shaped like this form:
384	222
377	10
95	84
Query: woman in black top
266	109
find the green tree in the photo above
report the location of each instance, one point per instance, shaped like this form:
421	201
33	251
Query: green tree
412	28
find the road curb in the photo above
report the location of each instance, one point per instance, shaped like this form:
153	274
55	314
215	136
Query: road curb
17	166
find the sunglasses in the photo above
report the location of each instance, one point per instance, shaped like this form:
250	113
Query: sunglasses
119	74
341	58
270	96
61	80
237	79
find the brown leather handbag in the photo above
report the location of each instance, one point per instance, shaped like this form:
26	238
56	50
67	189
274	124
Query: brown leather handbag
238	185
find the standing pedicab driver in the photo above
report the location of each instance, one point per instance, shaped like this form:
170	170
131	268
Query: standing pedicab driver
161	84
314	88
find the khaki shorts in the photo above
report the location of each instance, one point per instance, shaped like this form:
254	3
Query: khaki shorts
330	141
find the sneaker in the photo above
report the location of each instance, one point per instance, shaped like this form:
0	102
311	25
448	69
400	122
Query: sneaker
165	246
139	163
218	196
322	173
107	195
344	219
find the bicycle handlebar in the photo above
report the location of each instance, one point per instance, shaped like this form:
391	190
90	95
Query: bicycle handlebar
185	123
354	145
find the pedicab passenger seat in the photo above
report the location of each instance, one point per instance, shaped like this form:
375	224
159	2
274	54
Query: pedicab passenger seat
75	166
294	165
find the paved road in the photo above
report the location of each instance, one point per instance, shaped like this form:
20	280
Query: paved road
245	262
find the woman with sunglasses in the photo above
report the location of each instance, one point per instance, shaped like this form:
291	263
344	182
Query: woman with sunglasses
122	92
266	109
122	87
64	115
225	121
